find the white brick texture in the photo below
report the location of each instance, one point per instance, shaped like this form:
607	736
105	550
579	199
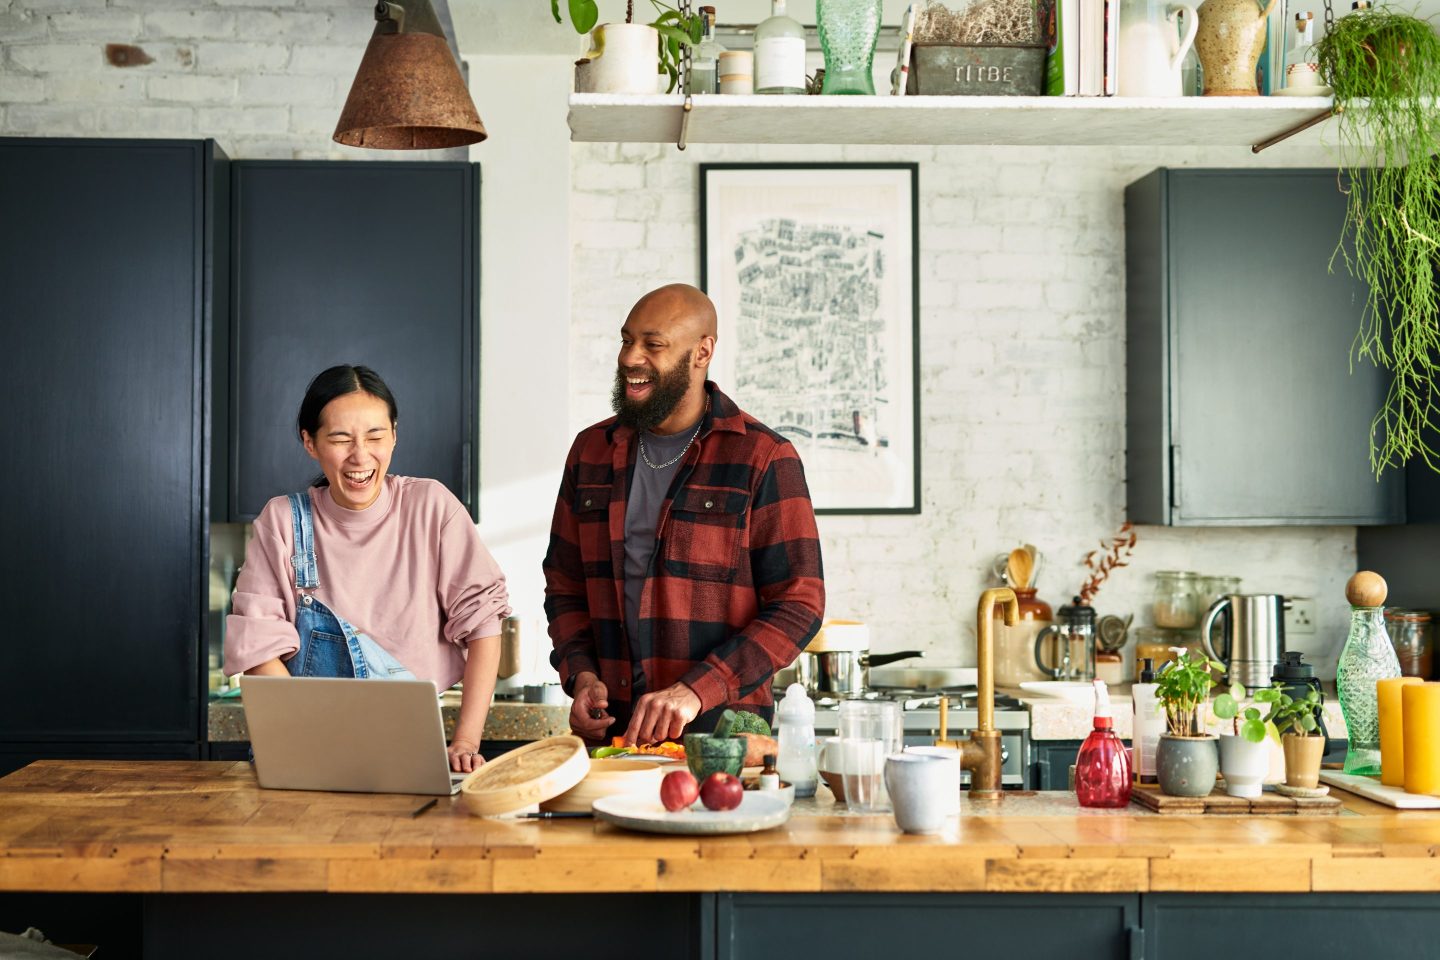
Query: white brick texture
265	78
1022	380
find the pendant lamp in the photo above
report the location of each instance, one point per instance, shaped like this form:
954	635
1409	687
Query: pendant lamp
408	93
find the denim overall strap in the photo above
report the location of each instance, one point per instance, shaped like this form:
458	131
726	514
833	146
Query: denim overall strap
307	572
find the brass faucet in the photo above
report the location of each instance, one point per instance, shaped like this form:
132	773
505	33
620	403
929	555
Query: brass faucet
981	755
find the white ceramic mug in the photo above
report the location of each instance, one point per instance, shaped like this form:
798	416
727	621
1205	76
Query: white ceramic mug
918	786
952	779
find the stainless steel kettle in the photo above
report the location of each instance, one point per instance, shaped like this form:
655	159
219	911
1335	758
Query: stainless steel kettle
1253	634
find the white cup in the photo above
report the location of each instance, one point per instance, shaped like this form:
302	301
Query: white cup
952	781
918	785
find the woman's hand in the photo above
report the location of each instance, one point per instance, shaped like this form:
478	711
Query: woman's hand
464	755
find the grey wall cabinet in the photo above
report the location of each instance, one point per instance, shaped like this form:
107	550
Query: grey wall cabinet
112	256
372	263
1241	404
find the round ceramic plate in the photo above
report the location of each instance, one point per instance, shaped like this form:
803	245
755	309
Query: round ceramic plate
757	811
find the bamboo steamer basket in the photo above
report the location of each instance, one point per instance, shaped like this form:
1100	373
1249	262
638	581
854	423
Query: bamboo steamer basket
608	778
526	777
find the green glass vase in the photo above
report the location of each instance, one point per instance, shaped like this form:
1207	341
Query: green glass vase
1368	656
848	32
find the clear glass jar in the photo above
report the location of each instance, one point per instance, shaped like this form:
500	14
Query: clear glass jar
1413	637
1213	588
1177	600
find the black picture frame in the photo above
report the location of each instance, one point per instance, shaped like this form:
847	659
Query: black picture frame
856	210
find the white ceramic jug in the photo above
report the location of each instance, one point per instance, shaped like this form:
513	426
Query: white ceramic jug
1150	56
622	60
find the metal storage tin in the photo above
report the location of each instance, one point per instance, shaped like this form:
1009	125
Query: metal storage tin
1006	70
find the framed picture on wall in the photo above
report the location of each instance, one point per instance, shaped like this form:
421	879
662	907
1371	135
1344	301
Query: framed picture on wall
814	270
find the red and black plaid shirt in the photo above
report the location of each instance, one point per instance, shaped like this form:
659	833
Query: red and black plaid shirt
735	589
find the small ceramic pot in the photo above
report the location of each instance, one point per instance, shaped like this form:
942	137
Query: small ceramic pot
1243	765
1186	765
623	60
705	754
1302	760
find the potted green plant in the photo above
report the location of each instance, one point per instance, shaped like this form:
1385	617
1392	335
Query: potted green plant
1299	737
1384	66
1244	756
1185	759
627	57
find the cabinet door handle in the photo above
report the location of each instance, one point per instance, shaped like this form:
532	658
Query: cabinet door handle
467	494
1174	475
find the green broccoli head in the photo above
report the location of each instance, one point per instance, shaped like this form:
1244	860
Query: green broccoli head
747	722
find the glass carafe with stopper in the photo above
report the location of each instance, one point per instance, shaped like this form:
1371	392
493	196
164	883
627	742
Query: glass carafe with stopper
1368	656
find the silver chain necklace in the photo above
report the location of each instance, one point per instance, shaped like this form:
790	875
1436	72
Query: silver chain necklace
675	459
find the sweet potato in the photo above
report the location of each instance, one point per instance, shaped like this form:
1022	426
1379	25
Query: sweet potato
757	747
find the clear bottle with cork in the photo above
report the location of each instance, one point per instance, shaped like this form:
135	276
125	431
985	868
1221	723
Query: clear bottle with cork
703	76
1367	657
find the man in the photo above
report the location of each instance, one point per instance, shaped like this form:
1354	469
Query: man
684	563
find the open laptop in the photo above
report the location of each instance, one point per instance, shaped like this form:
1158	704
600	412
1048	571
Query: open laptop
359	736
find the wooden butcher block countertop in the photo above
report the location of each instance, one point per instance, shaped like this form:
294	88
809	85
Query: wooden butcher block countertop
76	826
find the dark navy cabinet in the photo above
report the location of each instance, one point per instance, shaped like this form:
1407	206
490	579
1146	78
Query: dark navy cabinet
1242	406
371	263
112	260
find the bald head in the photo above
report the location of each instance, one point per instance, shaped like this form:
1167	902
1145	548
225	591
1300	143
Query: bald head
677	310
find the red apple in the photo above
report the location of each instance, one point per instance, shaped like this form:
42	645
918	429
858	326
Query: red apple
678	790
720	791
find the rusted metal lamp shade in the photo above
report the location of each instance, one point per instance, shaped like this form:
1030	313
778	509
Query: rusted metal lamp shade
408	93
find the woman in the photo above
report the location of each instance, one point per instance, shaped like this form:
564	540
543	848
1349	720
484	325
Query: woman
369	575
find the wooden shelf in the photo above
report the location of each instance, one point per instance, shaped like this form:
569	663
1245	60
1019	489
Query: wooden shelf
1023	121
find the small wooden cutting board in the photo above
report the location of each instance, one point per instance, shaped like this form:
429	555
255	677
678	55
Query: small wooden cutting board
1219	802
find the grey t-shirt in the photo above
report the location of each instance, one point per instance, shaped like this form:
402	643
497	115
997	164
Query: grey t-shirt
642	514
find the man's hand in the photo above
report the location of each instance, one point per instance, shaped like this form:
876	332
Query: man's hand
464	756
587	714
662	715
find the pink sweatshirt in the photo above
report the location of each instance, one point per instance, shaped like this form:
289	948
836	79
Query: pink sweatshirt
409	571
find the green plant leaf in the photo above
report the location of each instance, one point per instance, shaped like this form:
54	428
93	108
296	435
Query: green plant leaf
555	10
1253	730
674	35
666	17
697	30
1307	722
1251	714
1225	707
583	14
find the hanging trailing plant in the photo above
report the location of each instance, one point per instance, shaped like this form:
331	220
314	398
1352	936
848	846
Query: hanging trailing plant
1385	69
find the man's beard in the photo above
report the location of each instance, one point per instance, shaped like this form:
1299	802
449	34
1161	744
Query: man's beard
669	389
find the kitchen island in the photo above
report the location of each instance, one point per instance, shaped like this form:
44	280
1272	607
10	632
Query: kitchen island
197	848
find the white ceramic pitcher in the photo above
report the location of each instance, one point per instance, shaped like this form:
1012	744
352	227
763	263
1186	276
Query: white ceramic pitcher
1150	56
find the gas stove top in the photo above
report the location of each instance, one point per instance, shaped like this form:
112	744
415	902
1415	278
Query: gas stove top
919	698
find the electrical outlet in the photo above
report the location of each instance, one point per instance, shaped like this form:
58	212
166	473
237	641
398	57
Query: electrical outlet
1300	618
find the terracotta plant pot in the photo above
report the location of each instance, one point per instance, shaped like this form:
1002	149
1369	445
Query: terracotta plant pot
1243	765
1186	765
1302	760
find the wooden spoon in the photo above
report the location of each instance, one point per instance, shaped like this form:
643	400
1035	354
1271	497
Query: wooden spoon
1020	566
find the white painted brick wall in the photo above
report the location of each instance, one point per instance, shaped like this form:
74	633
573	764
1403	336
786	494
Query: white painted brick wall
1022	378
264	78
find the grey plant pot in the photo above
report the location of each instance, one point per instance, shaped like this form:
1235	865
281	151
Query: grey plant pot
1186	765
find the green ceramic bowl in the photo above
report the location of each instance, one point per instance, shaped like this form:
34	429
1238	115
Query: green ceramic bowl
705	754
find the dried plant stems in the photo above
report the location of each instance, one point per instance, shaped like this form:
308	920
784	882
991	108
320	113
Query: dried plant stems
983	21
1111	556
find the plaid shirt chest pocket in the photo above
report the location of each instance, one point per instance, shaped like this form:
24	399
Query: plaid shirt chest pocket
705	533
592	517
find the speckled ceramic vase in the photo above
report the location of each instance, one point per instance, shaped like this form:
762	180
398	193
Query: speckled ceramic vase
1228	43
1186	765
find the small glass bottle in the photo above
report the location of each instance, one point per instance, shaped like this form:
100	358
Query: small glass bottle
779	53
1102	767
769	776
1367	657
705	59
